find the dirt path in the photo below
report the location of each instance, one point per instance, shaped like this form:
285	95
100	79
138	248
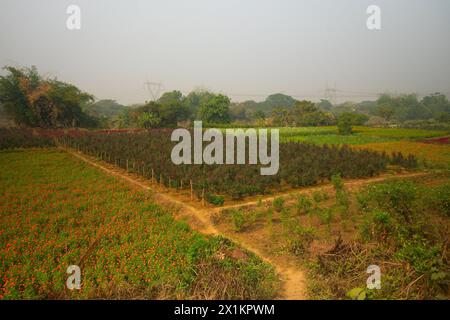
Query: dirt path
349	184
294	281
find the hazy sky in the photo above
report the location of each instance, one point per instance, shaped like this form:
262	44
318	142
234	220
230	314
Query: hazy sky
244	48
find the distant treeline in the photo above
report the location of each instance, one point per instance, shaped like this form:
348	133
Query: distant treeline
31	100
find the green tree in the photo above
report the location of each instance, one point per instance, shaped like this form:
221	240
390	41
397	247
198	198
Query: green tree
238	112
195	99
148	120
174	97
166	112
37	102
402	107
438	105
215	110
259	115
279	100
280	116
325	105
386	112
344	123
105	107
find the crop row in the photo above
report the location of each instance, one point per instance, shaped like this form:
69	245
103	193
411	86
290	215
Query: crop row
300	164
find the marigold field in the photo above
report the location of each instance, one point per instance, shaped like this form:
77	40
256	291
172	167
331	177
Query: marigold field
56	211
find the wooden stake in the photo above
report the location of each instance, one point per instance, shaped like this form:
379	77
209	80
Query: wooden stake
127	165
192	190
153	176
203	197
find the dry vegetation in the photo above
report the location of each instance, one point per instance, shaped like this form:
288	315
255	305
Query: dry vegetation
401	226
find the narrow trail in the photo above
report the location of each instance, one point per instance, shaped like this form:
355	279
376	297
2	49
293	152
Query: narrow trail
350	184
293	278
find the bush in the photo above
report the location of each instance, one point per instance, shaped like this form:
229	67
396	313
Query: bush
341	194
238	219
377	225
344	124
409	162
396	197
242	219
278	204
303	205
425	259
325	215
300	243
215	199
336	180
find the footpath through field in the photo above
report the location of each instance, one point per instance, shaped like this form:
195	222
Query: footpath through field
293	278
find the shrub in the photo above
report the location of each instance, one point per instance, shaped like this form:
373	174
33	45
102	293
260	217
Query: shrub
344	124
422	257
377	225
409	162
300	243
325	215
242	219
395	197
278	204
303	205
341	194
238	219
216	200
336	180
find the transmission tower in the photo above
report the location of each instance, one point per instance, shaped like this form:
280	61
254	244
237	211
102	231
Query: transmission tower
155	89
330	94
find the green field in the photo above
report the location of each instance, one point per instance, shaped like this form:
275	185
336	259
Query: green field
57	211
400	133
361	135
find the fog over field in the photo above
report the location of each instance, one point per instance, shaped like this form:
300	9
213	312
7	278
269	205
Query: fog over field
245	49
